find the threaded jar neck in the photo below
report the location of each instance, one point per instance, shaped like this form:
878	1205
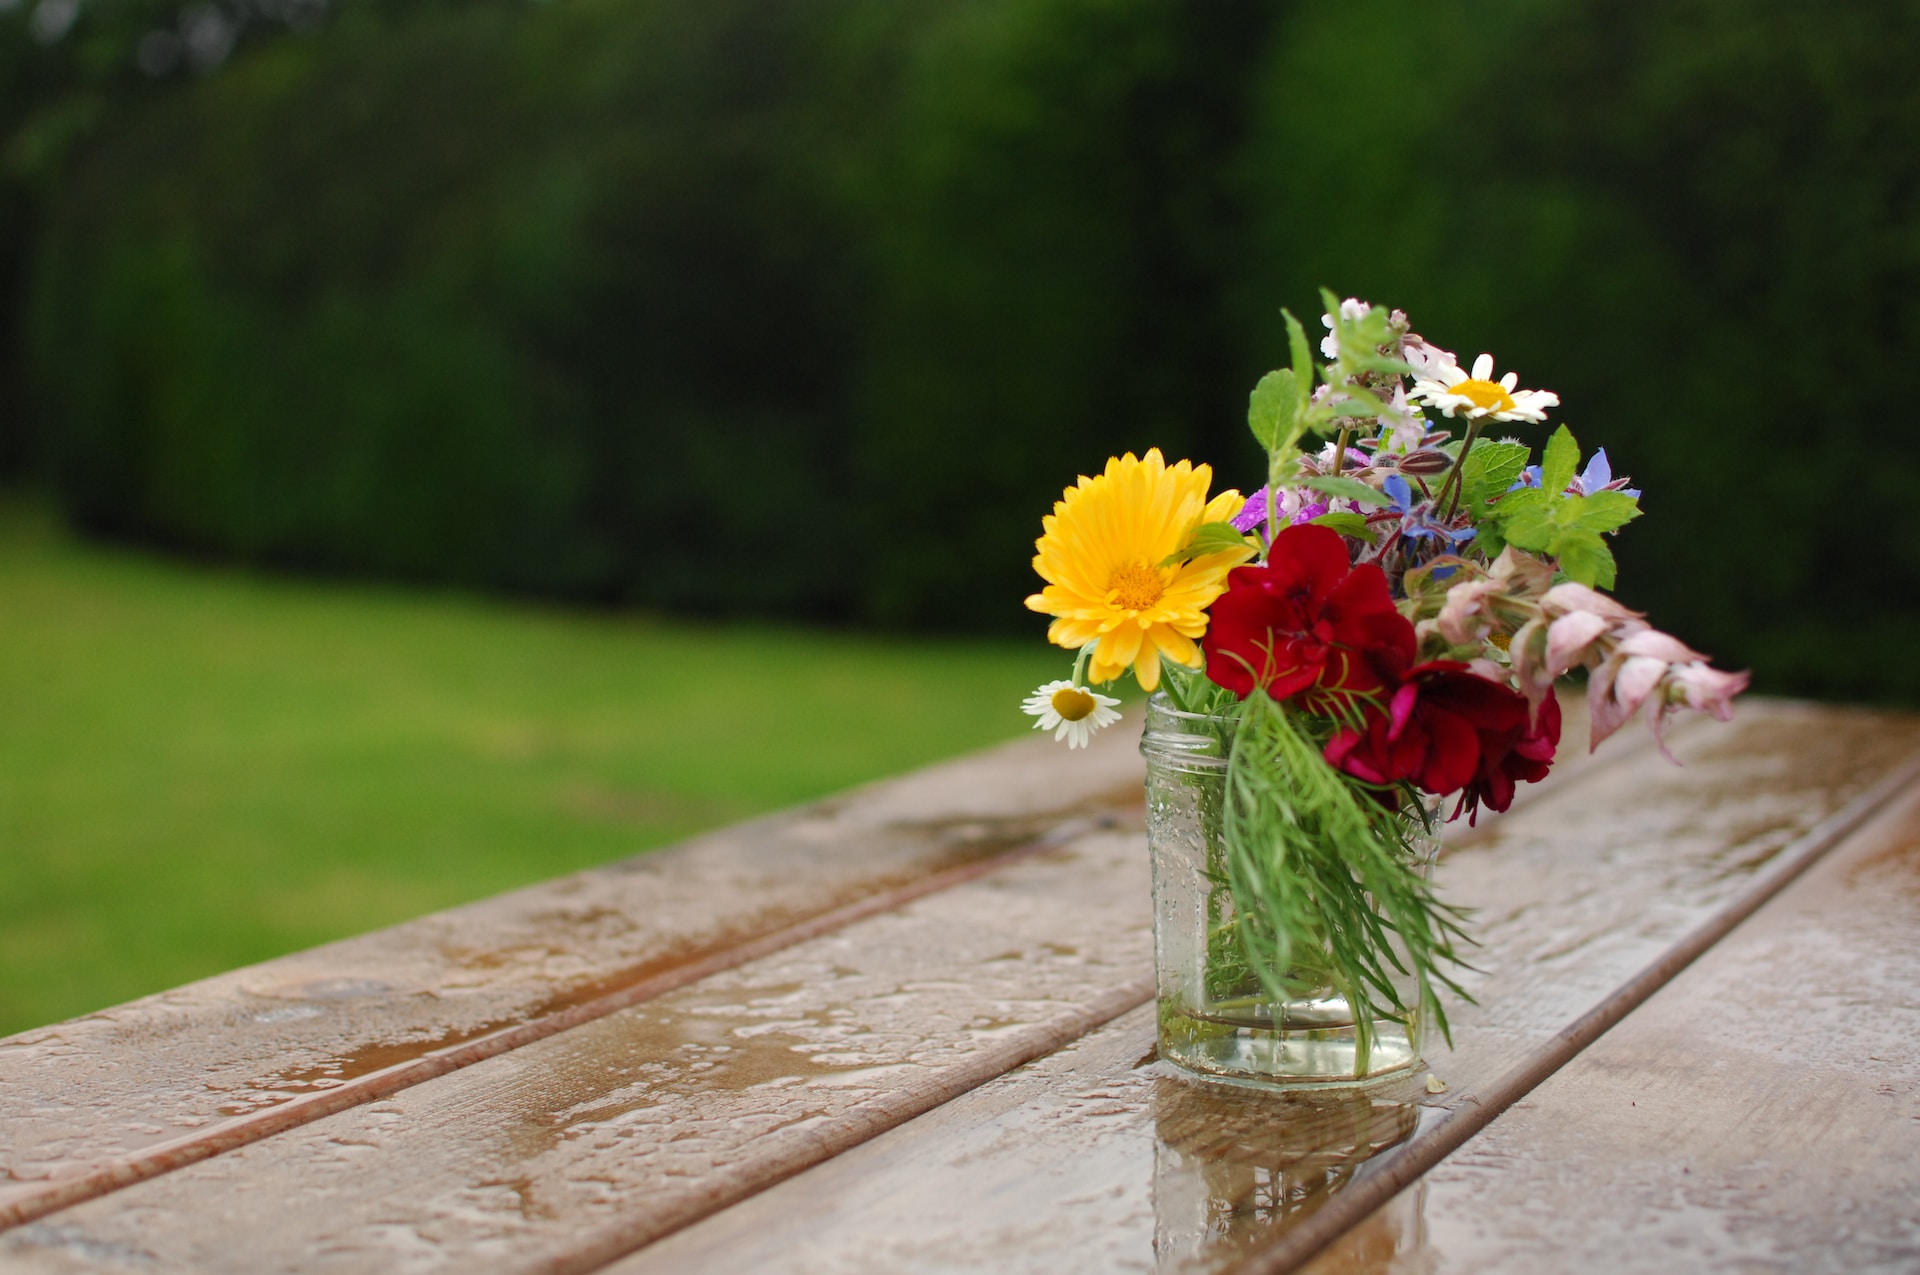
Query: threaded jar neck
1191	742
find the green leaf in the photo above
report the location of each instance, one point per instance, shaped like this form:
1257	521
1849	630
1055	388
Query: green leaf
1272	408
1586	558
1378	363
1355	401
1347	524
1531	526
1559	462
1516	503
1302	358
1603	510
1208	538
1491	468
1346	489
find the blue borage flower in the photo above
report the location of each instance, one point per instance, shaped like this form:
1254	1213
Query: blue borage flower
1417	519
1597	476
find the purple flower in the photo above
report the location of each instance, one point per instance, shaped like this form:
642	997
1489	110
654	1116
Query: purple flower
1252	514
1295	505
1597	476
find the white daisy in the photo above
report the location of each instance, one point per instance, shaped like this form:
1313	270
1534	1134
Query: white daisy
1071	712
1453	391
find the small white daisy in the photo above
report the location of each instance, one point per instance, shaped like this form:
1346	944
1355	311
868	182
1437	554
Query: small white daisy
1453	391
1071	712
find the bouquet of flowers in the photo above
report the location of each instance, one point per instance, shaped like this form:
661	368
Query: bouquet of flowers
1375	633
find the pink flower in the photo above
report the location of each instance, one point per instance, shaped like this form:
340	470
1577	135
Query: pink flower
1644	662
1630	661
1463	617
1707	689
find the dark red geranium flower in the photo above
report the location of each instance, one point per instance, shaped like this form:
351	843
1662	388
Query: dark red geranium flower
1449	730
1522	756
1307	623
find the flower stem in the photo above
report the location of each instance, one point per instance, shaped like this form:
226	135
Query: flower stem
1453	482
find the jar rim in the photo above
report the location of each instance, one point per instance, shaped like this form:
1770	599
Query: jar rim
1160	705
1195	742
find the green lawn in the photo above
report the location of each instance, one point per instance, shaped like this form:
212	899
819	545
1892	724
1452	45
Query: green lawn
201	768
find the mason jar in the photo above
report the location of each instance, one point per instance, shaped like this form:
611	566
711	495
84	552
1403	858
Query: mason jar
1217	1017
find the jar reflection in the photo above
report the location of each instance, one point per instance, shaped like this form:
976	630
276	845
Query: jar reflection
1234	1168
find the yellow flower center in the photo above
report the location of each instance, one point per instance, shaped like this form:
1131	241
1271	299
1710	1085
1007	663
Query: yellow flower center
1072	703
1501	640
1135	587
1488	394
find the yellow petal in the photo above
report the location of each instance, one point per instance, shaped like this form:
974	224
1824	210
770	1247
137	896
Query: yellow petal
1147	670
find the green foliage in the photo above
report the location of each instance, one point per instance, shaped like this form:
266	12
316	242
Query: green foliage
736	294
1345	488
1559	462
1489	470
1208	537
1273	409
1347	524
1550	520
1325	886
691	306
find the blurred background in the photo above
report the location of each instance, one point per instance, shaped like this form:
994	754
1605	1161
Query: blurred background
439	378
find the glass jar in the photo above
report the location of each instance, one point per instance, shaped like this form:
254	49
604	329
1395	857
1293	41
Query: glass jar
1217	1018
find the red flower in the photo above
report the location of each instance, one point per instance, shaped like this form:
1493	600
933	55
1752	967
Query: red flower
1449	730
1307	623
1525	755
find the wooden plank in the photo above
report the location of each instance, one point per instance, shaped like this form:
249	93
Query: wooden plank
1088	1160
1761	1112
568	1151
114	1097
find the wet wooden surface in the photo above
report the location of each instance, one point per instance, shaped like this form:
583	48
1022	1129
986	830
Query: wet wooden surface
899	1032
1089	1152
100	1101
1760	1113
569	1151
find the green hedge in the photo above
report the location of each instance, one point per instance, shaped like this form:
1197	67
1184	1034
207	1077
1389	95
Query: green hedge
810	308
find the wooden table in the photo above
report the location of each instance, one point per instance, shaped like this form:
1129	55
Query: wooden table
909	1029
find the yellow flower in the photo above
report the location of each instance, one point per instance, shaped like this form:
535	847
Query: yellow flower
1100	557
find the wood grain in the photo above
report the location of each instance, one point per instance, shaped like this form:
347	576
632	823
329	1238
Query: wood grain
571	1150
93	1104
1761	1113
1087	1160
